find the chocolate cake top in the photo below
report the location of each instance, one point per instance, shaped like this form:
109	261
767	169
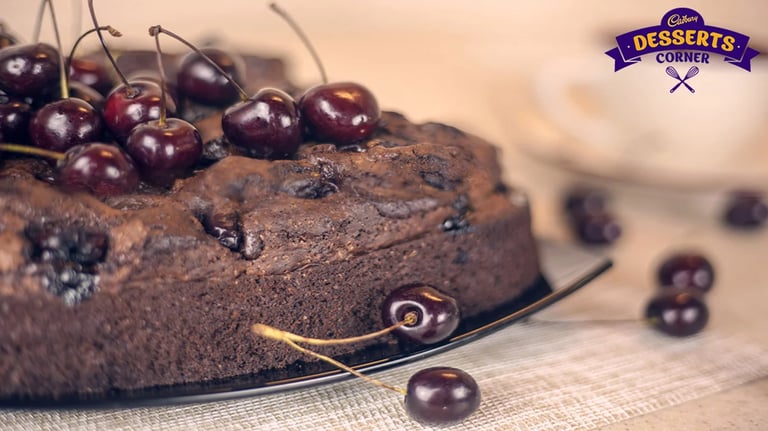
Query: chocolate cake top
258	217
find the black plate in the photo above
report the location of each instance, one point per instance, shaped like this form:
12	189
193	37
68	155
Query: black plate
565	269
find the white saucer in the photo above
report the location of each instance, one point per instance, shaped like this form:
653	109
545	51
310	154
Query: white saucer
629	153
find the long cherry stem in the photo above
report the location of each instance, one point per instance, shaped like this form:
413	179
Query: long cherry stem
32	151
304	39
345	367
292	339
156	29
111	30
39	22
163	80
63	70
131	91
277	334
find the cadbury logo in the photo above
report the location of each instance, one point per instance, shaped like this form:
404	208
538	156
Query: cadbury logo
675	20
682	36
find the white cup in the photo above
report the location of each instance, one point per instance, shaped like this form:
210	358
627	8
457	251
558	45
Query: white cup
633	113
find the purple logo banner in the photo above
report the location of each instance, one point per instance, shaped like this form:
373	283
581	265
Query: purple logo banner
682	29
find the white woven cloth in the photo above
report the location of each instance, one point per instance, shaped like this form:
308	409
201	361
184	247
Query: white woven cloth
540	375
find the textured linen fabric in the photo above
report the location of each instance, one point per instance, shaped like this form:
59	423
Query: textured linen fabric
538	375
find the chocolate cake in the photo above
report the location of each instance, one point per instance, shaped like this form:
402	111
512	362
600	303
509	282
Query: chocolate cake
161	286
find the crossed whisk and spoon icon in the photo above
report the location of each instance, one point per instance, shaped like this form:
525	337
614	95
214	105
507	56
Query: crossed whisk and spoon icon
693	71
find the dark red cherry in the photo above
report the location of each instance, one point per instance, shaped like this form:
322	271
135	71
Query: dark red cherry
600	228
198	80
341	112
746	210
65	123
29	70
677	312
441	396
687	270
164	152
101	169
92	73
584	201
267	125
437	314
14	120
127	107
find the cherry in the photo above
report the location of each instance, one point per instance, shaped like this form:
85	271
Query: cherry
342	112
98	168
687	270
131	104
198	80
677	312
599	228
164	148
164	152
437	314
29	70
101	169
441	395
746	210
584	201
92	97
14	120
65	123
91	73
266	125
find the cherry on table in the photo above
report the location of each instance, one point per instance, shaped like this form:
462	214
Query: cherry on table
585	201
29	70
687	270
597	229
437	314
441	396
677	312
746	210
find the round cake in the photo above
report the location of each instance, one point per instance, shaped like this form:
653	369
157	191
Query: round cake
160	286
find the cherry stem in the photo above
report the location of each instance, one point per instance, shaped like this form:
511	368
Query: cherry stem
39	21
291	339
154	30
33	151
63	70
346	368
131	91
277	334
111	30
304	39
163	80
